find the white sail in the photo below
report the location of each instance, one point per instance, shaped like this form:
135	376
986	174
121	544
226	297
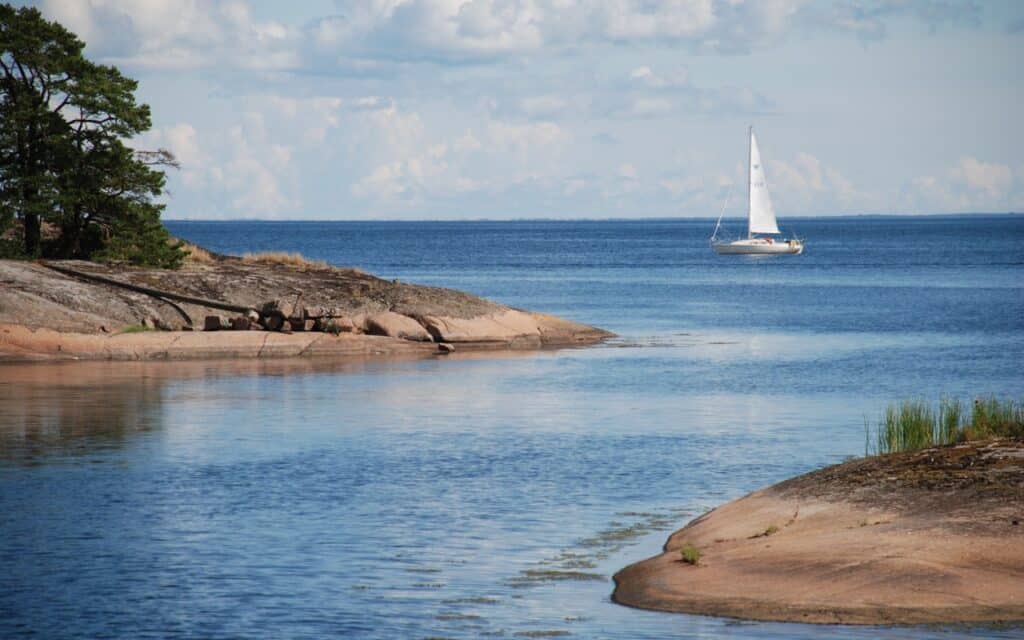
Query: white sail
761	216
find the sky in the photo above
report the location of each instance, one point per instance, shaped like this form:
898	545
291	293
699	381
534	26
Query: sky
452	109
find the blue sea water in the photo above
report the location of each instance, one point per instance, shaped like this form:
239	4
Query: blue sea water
451	497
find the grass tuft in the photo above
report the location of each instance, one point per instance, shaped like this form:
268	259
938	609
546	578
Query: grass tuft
284	258
194	254
689	554
914	424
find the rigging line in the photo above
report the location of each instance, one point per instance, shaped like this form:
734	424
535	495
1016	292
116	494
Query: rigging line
719	223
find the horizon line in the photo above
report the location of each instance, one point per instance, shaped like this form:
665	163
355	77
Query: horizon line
597	219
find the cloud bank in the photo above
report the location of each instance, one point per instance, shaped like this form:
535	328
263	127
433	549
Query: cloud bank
555	108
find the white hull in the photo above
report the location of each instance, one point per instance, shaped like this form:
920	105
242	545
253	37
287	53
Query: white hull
759	246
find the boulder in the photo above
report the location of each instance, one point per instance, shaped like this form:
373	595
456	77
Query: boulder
345	325
505	326
213	323
253	316
395	325
273	322
240	323
309	324
444	347
281	307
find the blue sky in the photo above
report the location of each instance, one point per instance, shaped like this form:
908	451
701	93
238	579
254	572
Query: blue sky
452	109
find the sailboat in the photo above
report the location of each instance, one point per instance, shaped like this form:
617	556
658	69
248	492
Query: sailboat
761	222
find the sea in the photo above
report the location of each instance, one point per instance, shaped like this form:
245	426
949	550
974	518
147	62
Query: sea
488	494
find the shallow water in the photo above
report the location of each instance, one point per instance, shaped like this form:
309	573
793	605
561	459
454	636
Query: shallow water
489	494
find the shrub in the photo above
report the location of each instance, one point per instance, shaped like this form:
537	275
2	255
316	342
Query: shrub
689	554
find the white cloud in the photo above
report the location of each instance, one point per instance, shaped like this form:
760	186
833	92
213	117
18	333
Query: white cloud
806	185
418	107
183	34
697	187
178	34
415	163
524	137
969	186
674	79
992	179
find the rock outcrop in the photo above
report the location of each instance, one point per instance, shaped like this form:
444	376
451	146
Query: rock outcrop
90	304
931	536
395	325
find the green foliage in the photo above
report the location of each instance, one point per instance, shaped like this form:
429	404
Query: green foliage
689	554
906	426
141	242
914	424
951	415
12	249
63	159
992	418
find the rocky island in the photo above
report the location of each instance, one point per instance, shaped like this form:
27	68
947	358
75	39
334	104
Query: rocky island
270	305
928	536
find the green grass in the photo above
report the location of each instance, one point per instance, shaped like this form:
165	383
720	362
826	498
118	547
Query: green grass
689	554
915	424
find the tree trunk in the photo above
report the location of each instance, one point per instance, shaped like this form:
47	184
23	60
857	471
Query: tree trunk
32	235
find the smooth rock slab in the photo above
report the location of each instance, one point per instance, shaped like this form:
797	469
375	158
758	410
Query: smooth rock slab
505	326
395	325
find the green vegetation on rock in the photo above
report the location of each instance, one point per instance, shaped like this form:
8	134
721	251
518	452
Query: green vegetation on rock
70	187
915	424
689	554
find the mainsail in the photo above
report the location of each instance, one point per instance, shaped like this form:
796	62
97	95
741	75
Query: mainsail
761	217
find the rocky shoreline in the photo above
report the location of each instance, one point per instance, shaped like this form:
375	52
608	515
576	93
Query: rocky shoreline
228	307
926	537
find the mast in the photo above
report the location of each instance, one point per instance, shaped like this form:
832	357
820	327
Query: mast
750	160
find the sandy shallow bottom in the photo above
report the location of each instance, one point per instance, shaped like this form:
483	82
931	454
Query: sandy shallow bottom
923	538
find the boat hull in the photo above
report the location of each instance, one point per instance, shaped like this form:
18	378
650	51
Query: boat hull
759	246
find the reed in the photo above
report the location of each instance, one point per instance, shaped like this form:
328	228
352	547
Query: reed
951	418
915	424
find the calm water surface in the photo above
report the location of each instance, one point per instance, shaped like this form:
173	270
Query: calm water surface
486	495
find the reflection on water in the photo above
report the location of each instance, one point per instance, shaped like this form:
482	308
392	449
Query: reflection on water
463	497
71	408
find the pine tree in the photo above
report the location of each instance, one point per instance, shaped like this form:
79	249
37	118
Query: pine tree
64	123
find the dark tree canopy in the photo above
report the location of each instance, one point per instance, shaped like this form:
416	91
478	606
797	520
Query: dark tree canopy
63	158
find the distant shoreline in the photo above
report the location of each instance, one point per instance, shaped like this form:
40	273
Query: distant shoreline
845	216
